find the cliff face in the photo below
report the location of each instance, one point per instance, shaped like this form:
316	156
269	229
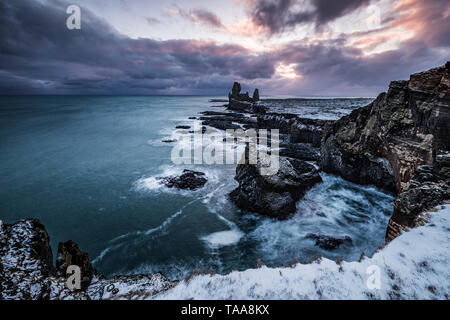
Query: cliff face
27	271
399	142
25	260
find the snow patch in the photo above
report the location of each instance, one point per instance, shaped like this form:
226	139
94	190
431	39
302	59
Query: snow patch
412	266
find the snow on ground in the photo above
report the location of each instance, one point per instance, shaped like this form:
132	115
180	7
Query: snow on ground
413	266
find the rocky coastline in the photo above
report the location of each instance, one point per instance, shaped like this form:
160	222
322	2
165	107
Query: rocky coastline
400	142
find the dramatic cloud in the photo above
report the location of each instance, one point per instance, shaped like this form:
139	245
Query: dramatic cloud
39	55
152	21
277	16
203	17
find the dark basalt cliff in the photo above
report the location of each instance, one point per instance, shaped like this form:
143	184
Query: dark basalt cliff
399	142
27	271
273	195
242	102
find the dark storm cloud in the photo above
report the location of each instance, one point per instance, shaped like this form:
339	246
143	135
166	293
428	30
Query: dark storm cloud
330	68
38	54
279	15
152	21
202	16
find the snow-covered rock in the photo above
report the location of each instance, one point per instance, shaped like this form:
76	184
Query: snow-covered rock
415	265
412	266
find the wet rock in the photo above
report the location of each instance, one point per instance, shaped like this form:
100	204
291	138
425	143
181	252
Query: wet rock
300	129
221	124
220	113
218	100
169	140
190	180
237	95
329	242
301	151
69	254
387	142
241	101
282	122
273	195
307	131
255	95
183	127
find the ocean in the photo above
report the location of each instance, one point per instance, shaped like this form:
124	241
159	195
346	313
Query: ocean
87	167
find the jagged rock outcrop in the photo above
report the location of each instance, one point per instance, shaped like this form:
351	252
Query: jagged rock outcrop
189	179
273	195
399	142
329	242
255	95
242	102
27	271
301	151
300	129
26	260
69	254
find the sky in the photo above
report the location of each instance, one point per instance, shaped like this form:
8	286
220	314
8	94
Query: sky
345	48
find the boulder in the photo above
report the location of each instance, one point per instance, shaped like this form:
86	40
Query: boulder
273	195
329	242
190	180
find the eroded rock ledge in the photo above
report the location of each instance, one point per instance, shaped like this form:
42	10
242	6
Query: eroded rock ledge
273	195
399	142
27	270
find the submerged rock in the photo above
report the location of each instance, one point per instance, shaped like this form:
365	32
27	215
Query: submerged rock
169	140
329	242
273	195
387	142
189	179
221	124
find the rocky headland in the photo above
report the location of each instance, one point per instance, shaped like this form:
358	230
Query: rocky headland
400	142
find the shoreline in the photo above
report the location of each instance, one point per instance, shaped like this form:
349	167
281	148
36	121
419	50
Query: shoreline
350	147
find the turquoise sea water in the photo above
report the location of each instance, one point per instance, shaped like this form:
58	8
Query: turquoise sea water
86	167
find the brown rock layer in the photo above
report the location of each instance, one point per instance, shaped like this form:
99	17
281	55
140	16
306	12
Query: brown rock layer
399	142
